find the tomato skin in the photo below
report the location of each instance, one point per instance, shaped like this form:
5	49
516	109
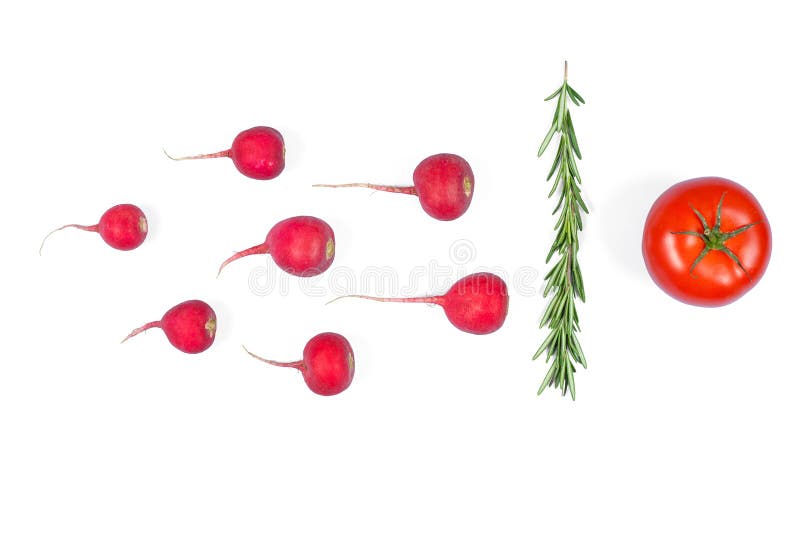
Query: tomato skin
716	280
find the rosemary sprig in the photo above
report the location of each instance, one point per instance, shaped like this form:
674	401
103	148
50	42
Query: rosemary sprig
564	279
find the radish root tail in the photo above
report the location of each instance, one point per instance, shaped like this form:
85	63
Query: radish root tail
257	249
422	300
220	154
92	228
137	331
407	190
294	365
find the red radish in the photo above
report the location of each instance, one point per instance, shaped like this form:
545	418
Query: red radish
302	246
477	304
258	153
327	363
123	226
190	326
444	184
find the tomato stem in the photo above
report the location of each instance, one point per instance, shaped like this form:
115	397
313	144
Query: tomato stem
714	238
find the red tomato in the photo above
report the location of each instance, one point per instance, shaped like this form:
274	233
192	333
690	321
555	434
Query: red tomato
706	241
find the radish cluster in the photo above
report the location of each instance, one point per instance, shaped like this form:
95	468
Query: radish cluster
305	246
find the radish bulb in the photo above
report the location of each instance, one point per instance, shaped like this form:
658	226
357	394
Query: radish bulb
123	227
476	304
302	246
327	365
189	326
258	153
443	183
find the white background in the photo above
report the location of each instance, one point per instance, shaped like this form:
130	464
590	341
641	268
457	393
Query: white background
686	420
